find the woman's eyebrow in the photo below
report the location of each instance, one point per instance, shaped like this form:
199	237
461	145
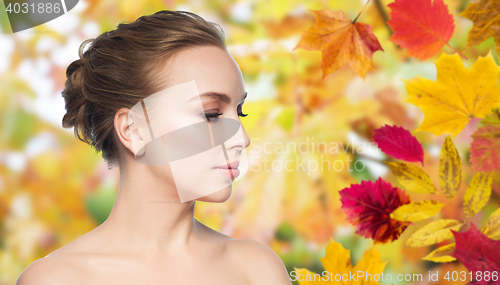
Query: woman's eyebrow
220	96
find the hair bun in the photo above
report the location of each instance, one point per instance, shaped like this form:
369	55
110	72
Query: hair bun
77	105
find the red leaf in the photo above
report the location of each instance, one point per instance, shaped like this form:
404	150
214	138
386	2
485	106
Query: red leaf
368	206
477	252
399	143
485	148
421	26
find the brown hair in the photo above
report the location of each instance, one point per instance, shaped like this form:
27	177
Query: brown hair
118	70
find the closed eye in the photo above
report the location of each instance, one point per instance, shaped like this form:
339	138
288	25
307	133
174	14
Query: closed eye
212	115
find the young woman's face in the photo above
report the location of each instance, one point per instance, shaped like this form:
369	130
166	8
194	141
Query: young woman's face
196	122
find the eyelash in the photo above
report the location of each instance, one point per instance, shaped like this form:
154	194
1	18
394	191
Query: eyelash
215	115
212	115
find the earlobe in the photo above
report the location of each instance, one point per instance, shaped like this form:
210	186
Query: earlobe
141	151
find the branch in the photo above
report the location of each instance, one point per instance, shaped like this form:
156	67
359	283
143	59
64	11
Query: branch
385	17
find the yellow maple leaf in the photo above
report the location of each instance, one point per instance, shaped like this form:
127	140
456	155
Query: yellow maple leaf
340	41
484	14
457	95
338	268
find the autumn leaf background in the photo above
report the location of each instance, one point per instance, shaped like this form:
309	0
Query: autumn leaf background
54	188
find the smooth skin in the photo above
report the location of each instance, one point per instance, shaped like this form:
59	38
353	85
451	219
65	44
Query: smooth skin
162	243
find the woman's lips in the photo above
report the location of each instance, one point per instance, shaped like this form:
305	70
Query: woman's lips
230	169
235	172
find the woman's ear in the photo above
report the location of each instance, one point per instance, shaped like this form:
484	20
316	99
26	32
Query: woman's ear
129	132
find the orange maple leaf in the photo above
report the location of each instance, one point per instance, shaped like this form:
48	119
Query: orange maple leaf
340	41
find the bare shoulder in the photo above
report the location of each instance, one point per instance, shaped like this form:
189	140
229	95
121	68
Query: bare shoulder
52	270
58	267
261	264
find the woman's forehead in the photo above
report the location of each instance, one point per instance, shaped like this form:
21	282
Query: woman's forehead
213	69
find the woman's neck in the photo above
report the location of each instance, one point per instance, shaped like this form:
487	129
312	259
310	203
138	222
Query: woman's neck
145	218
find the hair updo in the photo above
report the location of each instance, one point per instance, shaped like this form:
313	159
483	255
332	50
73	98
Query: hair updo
119	69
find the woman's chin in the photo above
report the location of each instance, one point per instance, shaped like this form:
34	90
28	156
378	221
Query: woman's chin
217	197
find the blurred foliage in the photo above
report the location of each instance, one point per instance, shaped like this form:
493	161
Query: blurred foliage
53	188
